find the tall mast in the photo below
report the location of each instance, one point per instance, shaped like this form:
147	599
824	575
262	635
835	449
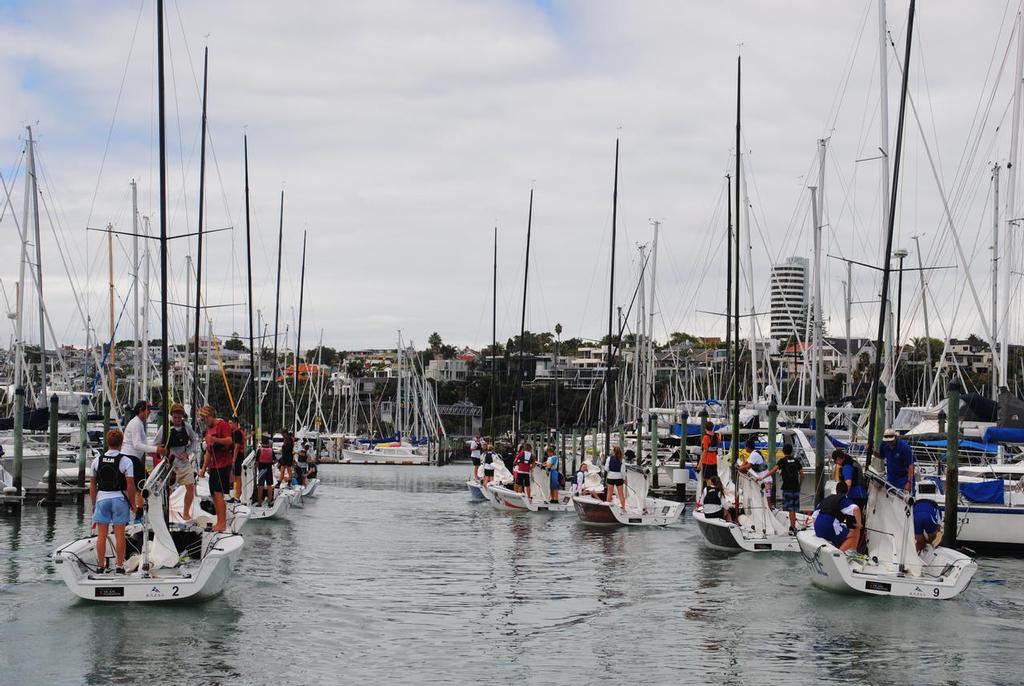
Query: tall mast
734	443
750	291
651	378
924	309
609	395
815	293
136	352
728	286
996	366
1011	200
494	330
112	355
277	312
19	322
199	248
165	385
39	262
253	383
883	147
298	333
886	263
517	411
146	260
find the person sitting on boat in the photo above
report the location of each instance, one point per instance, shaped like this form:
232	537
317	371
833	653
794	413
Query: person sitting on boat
284	473
551	465
927	524
756	465
579	478
709	451
522	466
838	520
615	476
853	475
899	461
302	465
711	505
476	447
792	481
112	488
179	444
136	446
488	458
311	470
218	459
265	473
238	452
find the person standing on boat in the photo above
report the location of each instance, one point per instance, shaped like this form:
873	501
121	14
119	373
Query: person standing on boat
136	446
615	477
838	520
756	464
523	464
709	452
284	474
475	449
792	481
899	461
265	473
218	459
853	475
112	488
179	445
551	465
238	455
488	461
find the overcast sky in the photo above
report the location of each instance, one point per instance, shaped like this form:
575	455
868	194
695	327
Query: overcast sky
404	132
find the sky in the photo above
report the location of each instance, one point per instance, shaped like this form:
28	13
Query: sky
403	133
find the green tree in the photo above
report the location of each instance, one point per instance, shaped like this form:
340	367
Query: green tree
323	354
234	343
435	342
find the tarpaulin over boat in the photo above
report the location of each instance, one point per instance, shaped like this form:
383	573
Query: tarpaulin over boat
1002	434
1011	410
975	407
964	443
989	491
34	420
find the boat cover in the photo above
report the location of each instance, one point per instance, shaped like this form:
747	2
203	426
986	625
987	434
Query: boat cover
964	443
989	491
1002	434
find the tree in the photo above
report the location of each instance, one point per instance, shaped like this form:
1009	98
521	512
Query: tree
323	355
435	342
354	369
234	343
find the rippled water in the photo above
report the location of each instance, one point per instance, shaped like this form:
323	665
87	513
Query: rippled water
393	576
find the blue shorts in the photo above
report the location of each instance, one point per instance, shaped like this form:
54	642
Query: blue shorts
554	481
831	529
927	518
791	501
112	511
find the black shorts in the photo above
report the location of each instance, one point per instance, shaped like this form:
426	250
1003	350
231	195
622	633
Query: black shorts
488	471
522	479
710	471
286	461
237	471
220	480
138	470
615	482
476	461
265	475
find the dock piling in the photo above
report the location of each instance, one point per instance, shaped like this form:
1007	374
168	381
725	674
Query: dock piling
51	481
819	450
952	465
773	421
83	440
19	445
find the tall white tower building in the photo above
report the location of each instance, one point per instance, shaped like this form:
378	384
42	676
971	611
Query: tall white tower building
790	298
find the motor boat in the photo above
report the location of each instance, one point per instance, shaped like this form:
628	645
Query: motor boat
640	510
990	510
760	529
386	453
540	495
171	563
892	565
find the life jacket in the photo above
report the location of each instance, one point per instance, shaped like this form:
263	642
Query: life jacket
488	457
833	506
713	441
177	437
858	474
266	455
108	474
615	464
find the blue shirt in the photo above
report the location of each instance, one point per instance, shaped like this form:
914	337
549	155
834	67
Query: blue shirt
898	459
856	490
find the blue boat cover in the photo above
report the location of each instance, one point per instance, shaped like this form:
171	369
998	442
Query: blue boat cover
989	491
1003	434
837	443
964	443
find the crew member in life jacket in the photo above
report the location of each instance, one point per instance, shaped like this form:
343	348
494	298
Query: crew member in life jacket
488	459
615	476
757	466
551	465
838	520
522	466
287	461
111	488
476	447
179	446
217	460
709	452
927	524
265	473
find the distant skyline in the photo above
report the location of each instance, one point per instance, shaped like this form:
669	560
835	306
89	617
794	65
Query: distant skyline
404	132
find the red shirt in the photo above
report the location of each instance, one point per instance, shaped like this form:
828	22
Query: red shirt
223	455
524	461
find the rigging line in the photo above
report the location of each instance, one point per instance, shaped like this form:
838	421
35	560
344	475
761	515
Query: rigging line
183	197
840	97
14	180
113	118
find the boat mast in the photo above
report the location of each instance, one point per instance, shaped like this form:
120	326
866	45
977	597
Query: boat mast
494	330
277	314
886	265
39	263
995	279
136	352
248	265
165	385
19	355
651	376
199	249
517	411
883	147
1011	201
727	368
734	446
298	336
608	378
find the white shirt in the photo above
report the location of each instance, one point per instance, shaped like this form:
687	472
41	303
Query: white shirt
124	466
759	466
135	440
474	447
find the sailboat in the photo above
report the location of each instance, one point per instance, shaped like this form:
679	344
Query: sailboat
480	491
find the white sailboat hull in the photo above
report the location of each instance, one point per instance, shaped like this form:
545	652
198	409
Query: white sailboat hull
400	455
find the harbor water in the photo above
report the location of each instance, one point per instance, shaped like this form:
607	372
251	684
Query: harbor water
392	575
